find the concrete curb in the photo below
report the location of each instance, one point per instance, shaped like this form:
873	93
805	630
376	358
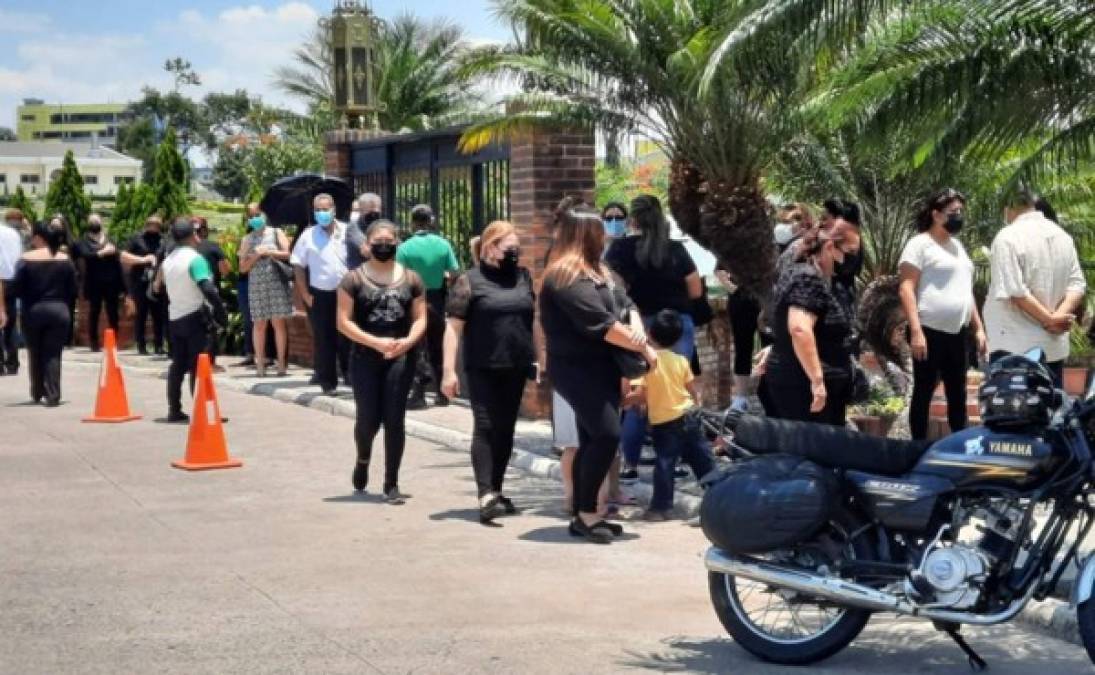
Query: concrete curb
1052	618
530	457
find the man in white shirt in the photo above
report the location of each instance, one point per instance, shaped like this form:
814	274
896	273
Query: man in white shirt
319	263
11	249
1037	285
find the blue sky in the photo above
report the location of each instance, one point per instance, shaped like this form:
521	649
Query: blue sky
72	51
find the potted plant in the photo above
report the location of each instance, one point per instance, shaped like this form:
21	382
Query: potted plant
876	416
1079	359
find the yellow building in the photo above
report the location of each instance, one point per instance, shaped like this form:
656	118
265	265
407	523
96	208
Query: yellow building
35	165
39	121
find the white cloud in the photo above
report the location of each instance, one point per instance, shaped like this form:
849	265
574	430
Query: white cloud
237	48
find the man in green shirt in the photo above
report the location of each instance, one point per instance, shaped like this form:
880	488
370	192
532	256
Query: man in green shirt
431	256
189	281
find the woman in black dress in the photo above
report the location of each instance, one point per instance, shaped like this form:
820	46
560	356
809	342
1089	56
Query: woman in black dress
491	308
45	283
580	317
809	369
382	310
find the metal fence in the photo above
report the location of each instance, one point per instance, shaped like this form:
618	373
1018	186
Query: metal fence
466	192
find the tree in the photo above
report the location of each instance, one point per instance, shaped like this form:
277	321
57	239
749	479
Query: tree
419	84
20	201
714	82
979	80
170	180
183	73
6	134
66	195
123	204
230	172
268	163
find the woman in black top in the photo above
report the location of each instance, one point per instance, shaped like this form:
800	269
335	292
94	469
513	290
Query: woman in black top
659	274
579	316
382	310
491	307
809	369
45	283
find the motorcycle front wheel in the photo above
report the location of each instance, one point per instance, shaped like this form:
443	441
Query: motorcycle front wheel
784	626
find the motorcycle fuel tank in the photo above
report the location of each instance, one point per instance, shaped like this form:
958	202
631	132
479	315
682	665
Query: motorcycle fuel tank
984	457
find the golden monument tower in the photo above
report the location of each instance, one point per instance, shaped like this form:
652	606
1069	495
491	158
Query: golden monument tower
353	31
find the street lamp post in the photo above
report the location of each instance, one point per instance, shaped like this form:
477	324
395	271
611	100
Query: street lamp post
353	30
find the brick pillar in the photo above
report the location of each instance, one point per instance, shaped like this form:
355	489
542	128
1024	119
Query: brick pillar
545	166
337	150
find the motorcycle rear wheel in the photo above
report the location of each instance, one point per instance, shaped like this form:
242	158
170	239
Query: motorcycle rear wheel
1085	617
836	626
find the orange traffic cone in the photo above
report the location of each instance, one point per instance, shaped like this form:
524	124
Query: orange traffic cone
111	404
206	447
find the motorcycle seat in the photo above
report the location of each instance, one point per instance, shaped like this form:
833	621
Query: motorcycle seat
828	446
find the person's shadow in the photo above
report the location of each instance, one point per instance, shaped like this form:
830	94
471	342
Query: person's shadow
356	498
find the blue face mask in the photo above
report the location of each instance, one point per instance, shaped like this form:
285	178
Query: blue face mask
324	218
615	227
255	222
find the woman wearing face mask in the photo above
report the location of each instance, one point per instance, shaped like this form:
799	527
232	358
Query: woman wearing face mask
937	295
269	297
808	371
614	215
490	309
382	311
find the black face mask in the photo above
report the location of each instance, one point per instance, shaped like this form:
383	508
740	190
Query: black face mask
369	218
509	260
954	223
382	251
94	228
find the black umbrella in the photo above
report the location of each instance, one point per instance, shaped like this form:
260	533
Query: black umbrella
289	200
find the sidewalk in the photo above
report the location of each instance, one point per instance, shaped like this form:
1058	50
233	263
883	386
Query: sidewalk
450	426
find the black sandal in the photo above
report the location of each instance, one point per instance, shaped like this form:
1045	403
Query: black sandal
595	534
616	529
491	510
508	505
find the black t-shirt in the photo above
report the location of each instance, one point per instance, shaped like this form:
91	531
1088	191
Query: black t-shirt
383	310
575	318
145	243
655	288
101	274
45	281
497	308
213	254
803	286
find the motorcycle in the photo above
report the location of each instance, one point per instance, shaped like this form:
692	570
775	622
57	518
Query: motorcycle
966	530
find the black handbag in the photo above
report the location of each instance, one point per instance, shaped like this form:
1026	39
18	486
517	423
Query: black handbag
284	269
630	364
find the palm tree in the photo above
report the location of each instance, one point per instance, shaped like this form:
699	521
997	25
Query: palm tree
418	86
979	79
715	82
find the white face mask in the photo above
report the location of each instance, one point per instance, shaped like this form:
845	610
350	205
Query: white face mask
782	234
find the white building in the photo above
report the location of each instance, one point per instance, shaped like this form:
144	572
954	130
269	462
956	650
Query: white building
34	165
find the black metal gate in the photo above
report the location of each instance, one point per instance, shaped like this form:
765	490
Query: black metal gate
466	192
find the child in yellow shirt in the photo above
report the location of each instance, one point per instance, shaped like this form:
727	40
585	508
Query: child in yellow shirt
669	394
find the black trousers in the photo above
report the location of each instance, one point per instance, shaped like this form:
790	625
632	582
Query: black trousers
495	395
430	360
947	360
380	395
592	388
791	401
189	338
9	354
330	349
744	317
46	326
97	299
158	312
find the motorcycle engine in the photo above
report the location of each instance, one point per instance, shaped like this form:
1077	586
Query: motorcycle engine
952	573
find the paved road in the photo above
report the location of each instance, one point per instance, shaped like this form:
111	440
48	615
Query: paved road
111	561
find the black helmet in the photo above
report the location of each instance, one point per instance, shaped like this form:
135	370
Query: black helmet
1017	393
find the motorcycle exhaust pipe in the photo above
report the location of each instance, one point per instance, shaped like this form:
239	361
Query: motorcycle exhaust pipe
850	593
817	585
